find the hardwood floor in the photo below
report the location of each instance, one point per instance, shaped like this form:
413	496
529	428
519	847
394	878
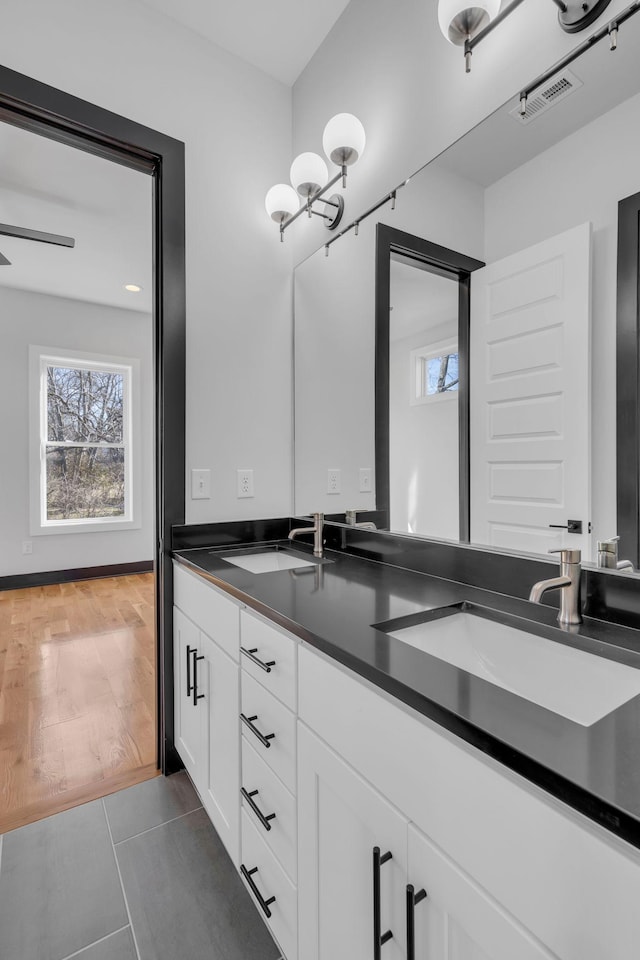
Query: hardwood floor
77	694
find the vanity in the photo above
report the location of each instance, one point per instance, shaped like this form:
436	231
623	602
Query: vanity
382	801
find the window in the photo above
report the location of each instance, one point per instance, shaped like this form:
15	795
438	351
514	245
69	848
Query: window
434	372
84	433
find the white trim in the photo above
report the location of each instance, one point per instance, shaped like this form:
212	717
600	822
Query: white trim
39	358
417	359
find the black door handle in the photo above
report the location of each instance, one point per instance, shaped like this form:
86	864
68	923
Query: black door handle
251	655
190	650
412	899
571	526
196	696
263	904
379	939
264	738
263	818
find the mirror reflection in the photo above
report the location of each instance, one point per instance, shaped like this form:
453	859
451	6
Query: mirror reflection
535	199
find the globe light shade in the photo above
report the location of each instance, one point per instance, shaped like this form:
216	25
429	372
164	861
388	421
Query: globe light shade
459	19
281	202
344	139
308	174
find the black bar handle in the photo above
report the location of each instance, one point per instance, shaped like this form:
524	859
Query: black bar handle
196	696
190	650
262	903
251	654
379	939
263	818
412	899
264	738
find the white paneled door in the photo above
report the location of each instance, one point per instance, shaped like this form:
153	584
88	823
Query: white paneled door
530	400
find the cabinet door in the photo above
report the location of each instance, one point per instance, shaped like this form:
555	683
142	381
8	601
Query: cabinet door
341	819
458	920
190	714
221	795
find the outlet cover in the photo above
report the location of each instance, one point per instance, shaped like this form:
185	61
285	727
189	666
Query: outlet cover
245	483
333	480
27	547
201	484
366	479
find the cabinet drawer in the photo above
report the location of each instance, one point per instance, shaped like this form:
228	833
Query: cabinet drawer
270	646
271	717
272	797
270	880
216	614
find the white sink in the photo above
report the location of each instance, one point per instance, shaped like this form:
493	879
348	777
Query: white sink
580	686
268	561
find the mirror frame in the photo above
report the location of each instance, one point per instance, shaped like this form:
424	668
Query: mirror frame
445	262
628	380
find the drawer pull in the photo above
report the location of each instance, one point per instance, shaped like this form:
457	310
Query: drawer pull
379	939
196	696
413	898
265	739
263	904
264	819
251	655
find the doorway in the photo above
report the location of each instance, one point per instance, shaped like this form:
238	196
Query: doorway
38	108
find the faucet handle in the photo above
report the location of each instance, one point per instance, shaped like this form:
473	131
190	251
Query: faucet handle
568	555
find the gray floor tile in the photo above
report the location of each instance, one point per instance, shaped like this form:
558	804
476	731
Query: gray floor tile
59	886
120	946
149	804
186	898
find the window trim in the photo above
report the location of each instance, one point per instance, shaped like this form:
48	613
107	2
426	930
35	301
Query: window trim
417	359
39	359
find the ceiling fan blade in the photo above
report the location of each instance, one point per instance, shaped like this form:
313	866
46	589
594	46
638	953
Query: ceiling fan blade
3	261
23	233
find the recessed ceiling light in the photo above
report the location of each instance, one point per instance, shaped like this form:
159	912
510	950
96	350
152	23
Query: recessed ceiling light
132	287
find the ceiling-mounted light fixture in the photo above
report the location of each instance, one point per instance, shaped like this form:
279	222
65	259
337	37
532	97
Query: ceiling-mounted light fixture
343	142
467	22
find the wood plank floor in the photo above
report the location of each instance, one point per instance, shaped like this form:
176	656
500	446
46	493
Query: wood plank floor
77	694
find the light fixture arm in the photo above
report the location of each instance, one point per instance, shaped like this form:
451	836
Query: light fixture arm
307	206
472	42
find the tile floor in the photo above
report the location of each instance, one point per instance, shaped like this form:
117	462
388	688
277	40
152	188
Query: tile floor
140	875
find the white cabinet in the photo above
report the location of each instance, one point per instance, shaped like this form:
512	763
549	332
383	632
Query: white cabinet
341	821
207	700
190	716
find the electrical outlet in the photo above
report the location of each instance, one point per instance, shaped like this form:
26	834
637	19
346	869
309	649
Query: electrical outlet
366	480
333	480
27	546
201	484
245	483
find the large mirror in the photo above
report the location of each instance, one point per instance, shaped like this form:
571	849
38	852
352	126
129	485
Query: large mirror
535	199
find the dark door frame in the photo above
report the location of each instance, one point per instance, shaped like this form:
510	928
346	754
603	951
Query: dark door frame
42	109
445	262
628	380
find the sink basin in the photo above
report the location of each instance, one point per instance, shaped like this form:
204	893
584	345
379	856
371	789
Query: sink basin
580	686
267	559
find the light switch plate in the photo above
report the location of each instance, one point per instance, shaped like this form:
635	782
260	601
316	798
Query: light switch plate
201	484
366	479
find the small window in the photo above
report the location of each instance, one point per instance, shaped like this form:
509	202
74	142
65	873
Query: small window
434	372
84	439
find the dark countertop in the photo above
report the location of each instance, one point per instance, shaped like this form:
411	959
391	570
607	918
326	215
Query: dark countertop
332	607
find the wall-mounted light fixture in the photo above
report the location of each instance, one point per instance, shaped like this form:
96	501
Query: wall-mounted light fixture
467	22
343	142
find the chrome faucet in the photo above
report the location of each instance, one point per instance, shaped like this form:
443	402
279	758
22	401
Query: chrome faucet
568	582
316	530
608	555
351	518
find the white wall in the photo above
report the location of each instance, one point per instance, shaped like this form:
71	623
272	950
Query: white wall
389	64
423	447
601	165
32	318
236	123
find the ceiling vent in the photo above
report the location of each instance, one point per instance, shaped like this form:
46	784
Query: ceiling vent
553	91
